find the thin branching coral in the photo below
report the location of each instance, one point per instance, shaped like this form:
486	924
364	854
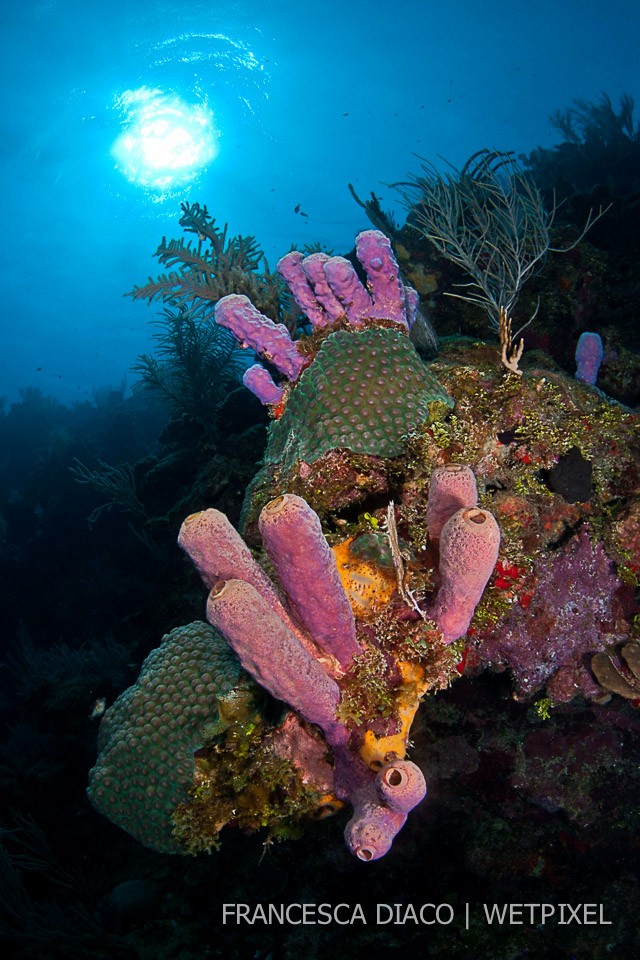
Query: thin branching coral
195	365
202	272
117	482
488	219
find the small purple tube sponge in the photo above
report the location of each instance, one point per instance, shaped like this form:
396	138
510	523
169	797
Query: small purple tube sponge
372	829
589	356
380	807
469	545
258	379
306	567
451	488
401	785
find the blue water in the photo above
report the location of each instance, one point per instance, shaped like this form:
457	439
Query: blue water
305	98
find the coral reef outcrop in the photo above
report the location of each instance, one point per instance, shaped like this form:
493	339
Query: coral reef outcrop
409	525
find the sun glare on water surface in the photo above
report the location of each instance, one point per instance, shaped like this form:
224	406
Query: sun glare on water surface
165	141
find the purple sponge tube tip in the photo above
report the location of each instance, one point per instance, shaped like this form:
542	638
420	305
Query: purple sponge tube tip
383	275
401	785
452	487
258	379
218	552
271	652
343	280
589	356
313	266
290	268
469	545
372	829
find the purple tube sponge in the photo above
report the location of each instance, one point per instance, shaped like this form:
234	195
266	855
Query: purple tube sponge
290	267
383	276
401	785
451	488
306	567
218	552
313	266
344	282
469	546
272	654
258	379
252	329
372	829
589	356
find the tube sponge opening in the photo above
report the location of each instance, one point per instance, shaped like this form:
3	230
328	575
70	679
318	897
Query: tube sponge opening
401	785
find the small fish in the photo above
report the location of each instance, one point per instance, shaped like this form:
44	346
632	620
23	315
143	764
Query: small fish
99	708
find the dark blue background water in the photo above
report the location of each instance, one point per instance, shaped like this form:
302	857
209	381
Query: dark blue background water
306	98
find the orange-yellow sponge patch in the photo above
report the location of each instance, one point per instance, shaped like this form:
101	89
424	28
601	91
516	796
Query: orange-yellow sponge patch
368	586
377	751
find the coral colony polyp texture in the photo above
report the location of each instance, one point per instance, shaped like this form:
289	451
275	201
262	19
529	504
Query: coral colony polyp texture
417	524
